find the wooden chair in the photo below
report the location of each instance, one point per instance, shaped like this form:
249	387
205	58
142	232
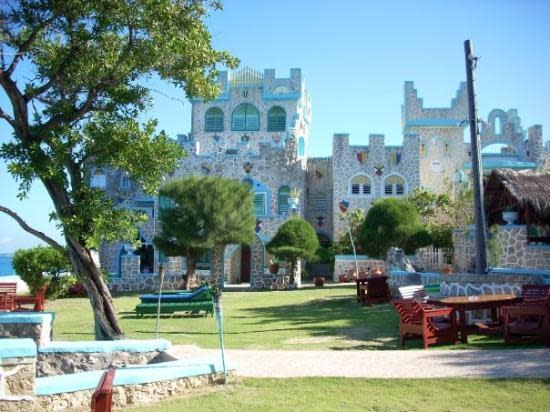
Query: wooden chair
378	290
37	300
102	398
433	325
8	292
527	321
534	293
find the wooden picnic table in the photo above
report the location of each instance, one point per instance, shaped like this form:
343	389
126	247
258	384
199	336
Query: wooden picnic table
461	304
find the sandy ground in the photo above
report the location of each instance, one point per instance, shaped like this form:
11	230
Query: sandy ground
432	363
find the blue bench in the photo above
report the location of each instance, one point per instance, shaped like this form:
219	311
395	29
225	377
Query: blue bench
17	348
131	375
126	345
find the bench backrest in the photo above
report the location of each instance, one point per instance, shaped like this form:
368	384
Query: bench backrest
9	287
102	398
413	292
535	293
377	286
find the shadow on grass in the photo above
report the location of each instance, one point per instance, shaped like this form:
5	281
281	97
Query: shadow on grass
335	317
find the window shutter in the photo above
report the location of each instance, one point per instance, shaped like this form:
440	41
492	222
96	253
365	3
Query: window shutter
259	204
284	193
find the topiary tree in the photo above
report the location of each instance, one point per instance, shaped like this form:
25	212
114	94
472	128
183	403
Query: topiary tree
43	265
200	212
74	75
391	222
294	239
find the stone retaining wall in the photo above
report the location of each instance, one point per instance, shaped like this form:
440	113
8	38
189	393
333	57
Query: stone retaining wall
39	332
17	404
61	363
514	251
17	376
463	285
132	394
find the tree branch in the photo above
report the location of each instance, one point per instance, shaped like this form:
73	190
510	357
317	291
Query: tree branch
7	118
42	236
27	43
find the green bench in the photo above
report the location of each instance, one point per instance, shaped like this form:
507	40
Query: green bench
193	307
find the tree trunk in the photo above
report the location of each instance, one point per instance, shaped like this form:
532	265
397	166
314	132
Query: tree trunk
191	268
293	267
106	323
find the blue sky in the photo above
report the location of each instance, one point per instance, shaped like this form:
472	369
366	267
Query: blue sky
355	56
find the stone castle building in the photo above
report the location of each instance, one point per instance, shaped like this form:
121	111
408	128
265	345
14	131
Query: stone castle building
257	131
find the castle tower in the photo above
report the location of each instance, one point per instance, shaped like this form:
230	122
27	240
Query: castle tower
441	136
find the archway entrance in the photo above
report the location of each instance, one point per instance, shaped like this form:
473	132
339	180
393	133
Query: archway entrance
245	264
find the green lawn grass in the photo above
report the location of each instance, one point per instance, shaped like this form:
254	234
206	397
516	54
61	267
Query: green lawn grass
324	318
346	394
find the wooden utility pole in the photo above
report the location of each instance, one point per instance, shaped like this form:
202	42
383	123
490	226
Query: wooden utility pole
477	169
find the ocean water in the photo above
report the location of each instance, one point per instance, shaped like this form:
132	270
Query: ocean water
5	265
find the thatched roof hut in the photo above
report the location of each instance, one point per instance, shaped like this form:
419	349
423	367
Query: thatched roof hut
524	191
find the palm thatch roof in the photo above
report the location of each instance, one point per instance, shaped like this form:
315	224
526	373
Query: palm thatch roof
526	191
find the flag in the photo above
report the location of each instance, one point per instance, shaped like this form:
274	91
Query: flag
343	205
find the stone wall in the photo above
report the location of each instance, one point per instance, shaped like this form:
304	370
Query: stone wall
465	285
62	363
376	162
319	206
17	376
514	250
39	332
132	394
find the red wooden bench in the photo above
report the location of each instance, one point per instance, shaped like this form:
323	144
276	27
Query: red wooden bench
8	291
534	293
102	399
433	325
529	320
37	300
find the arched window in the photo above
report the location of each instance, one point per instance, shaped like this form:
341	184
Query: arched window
245	117
301	146
282	199
276	119
394	186
99	179
125	182
498	125
213	120
360	186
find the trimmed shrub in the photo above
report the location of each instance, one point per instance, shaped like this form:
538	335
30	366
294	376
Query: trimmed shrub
44	265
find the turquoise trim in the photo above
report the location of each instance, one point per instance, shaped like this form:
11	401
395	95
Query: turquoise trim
22	317
125	345
532	246
131	375
490	164
15	348
517	271
434	123
350	257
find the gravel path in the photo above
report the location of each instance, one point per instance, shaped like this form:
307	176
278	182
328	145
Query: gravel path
433	363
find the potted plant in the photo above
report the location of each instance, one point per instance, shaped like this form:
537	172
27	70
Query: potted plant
509	216
294	198
319	281
273	265
446	269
